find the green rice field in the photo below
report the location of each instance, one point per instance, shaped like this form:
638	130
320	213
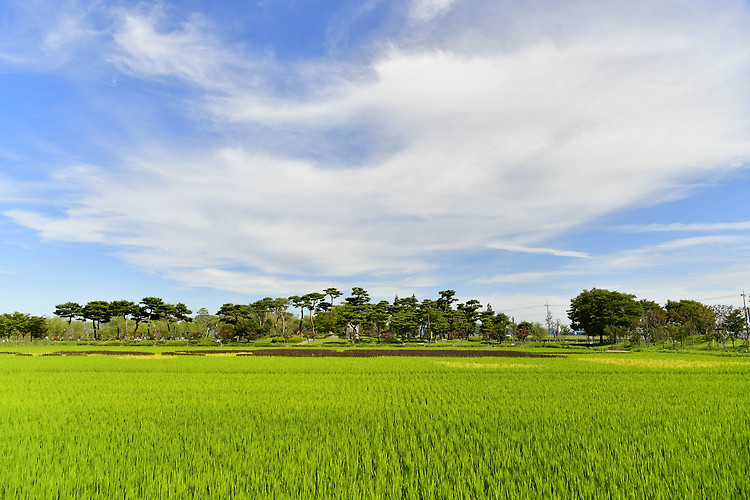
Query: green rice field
595	425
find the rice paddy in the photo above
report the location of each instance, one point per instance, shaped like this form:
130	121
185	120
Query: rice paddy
634	425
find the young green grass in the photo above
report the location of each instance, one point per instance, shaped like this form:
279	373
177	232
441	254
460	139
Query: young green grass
588	426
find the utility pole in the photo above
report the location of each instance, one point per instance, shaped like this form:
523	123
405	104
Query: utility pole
747	319
548	319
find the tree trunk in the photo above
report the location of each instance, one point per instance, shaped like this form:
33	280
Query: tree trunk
312	323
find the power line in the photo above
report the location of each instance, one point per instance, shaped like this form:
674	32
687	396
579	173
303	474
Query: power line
722	297
533	307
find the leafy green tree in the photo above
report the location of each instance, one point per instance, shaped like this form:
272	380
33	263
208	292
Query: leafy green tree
311	301
98	312
598	308
446	299
404	318
326	319
458	322
359	307
70	311
35	326
280	306
653	320
297	301
262	308
471	316
237	321
692	317
523	331
733	324
173	313
206	321
333	293
57	328
378	317
493	326
139	315
22	325
502	325
231	313
151	305
122	309
431	319
165	312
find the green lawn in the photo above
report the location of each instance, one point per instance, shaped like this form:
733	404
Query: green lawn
596	425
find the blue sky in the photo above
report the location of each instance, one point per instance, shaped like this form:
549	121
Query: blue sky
517	152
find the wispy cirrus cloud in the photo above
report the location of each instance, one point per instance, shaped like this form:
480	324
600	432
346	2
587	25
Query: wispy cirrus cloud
686	227
537	250
426	10
418	153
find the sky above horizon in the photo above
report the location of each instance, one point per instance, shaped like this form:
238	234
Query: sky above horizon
517	152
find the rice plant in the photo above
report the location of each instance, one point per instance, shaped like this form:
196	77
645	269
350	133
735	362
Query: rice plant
593	426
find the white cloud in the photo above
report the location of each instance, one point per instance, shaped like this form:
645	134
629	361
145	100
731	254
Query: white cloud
426	10
190	53
538	250
522	278
491	148
43	36
686	227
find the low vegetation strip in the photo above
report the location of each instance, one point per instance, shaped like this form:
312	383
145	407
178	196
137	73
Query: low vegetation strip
372	353
308	353
102	353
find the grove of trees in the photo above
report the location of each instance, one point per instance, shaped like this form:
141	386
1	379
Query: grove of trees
619	316
598	313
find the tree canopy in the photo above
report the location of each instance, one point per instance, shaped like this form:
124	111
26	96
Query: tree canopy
596	309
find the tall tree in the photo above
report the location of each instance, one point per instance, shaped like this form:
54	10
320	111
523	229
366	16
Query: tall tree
297	301
206	321
311	300
122	309
691	317
262	308
378	318
446	299
68	310
139	315
151	306
653	320
359	307
523	330
280	306
333	293
98	312
471	315
598	308
36	326
734	324
488	327
405	317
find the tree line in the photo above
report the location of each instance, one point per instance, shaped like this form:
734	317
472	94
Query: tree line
315	313
601	313
621	316
405	318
